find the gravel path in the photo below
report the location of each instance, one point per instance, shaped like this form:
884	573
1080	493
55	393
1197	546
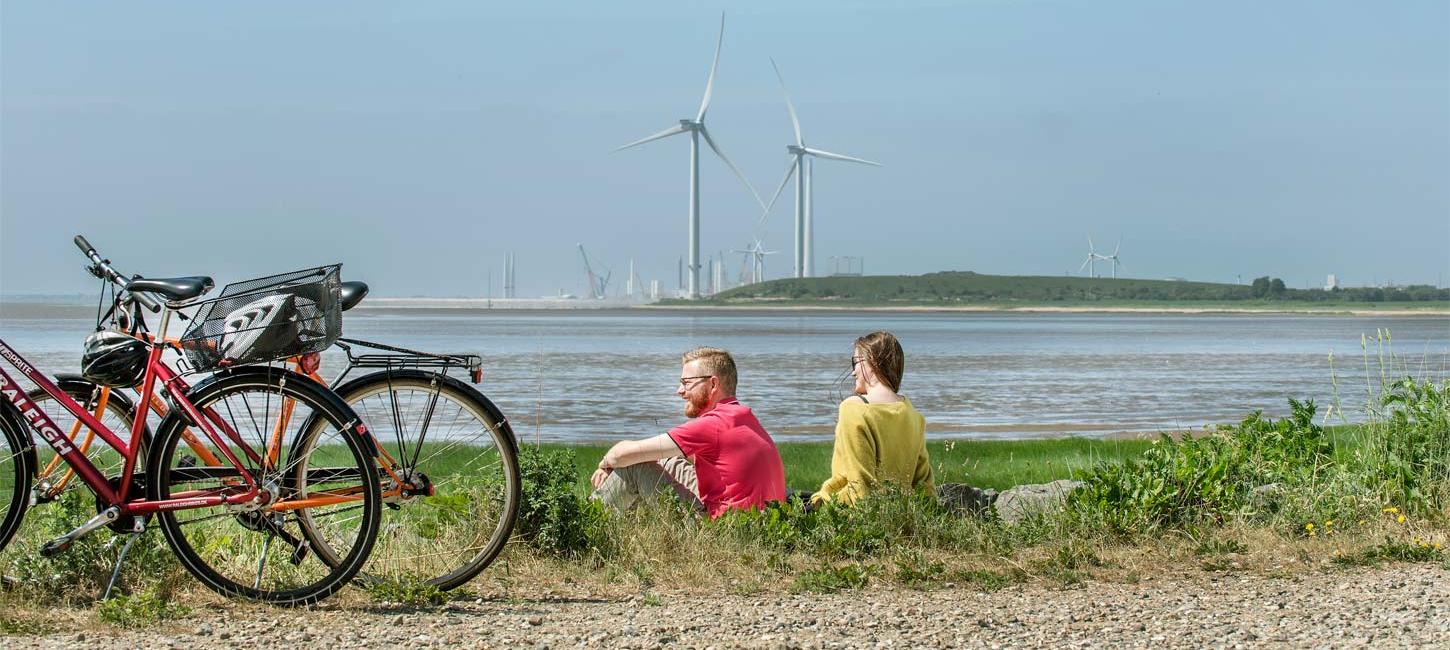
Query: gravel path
1395	606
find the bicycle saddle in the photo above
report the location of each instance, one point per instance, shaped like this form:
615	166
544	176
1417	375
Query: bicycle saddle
352	293
176	289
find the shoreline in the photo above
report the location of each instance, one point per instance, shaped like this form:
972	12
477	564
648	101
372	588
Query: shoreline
546	305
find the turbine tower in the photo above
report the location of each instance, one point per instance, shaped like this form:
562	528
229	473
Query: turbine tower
801	161
696	128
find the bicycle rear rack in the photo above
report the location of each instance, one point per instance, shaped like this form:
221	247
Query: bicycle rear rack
404	358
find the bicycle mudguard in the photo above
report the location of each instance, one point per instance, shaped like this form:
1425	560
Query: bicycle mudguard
69	382
457	384
27	439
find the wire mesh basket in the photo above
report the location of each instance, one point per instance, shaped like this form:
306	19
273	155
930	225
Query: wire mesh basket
266	319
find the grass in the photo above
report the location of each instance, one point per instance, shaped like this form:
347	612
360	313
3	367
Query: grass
995	464
1346	496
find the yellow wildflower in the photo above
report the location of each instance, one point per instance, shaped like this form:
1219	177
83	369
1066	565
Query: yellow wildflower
1309	526
1400	519
1392	510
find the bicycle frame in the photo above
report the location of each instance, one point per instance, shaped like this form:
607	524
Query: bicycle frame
156	373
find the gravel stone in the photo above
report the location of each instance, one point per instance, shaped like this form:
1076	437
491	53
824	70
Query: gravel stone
1402	606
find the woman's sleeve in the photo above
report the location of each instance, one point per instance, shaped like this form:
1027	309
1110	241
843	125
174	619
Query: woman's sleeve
854	459
921	479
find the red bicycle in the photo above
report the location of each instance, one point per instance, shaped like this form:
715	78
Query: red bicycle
235	520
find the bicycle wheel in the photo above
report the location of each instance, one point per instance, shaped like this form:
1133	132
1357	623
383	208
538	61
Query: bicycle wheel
15	474
322	471
53	475
450	475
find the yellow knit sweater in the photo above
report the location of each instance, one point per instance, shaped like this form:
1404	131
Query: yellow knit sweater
876	444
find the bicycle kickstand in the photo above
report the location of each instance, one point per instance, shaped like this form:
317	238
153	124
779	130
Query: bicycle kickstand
116	571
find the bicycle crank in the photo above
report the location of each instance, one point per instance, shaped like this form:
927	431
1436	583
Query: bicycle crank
60	544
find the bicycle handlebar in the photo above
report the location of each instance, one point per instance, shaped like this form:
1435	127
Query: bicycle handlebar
102	267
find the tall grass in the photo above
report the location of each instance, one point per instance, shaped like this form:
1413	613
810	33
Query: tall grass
1277	488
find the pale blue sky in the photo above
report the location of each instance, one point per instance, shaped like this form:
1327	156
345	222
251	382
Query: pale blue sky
417	142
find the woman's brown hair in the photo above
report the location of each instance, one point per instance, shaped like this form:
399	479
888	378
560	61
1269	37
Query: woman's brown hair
883	353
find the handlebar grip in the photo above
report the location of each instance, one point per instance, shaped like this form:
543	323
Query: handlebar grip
84	245
146	301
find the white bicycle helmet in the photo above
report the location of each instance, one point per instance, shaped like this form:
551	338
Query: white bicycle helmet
260	329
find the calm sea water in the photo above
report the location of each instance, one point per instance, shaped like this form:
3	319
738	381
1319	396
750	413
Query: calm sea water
595	376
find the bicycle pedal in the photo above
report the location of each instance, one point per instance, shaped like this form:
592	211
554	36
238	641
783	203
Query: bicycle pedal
55	547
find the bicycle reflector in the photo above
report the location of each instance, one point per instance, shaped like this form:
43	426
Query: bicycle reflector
476	375
310	362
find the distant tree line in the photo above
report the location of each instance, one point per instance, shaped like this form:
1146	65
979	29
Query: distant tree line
968	287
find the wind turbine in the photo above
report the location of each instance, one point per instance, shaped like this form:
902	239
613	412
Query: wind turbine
1114	258
801	161
756	252
696	128
1093	257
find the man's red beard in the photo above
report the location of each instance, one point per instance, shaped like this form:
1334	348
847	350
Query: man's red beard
695	404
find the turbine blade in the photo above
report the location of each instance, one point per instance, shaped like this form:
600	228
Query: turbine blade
1090	244
835	156
788	106
1085	263
1115	248
710	84
674	130
789	171
738	174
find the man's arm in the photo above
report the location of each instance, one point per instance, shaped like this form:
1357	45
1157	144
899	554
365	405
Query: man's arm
634	452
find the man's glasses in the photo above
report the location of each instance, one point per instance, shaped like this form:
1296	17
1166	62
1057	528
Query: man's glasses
686	382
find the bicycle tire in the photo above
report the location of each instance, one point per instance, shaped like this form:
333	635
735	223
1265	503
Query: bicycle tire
118	417
223	561
15	469
447	538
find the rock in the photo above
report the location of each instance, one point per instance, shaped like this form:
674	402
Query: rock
1017	503
1266	497
964	499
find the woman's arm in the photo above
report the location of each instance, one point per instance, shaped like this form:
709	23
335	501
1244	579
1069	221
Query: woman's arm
853	460
921	479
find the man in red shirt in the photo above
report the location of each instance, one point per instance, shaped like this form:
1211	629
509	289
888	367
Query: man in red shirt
721	459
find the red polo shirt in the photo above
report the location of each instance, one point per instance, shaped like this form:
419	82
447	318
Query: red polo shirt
735	460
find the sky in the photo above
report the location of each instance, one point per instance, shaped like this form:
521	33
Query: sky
417	143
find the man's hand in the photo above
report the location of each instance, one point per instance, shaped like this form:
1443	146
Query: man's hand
598	478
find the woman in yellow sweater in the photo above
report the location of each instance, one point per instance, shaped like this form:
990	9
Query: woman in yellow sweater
880	438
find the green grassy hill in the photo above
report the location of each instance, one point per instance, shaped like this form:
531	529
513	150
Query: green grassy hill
948	288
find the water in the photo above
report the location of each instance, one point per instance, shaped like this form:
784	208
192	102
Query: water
597	376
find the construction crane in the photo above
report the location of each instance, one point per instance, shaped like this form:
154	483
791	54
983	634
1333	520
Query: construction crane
598	285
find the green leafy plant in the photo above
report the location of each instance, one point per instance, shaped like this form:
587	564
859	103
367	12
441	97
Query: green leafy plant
140	609
833	578
552	516
1179	484
411	592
